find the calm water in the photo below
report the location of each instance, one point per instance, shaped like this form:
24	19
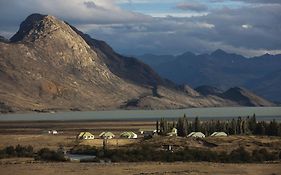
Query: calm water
262	113
79	157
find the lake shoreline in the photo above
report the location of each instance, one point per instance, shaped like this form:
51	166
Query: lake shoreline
215	113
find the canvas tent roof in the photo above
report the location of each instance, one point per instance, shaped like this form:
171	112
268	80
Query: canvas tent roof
174	130
219	134
107	134
84	134
196	134
128	134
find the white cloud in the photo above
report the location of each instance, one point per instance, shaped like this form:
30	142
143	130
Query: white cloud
246	26
177	14
206	25
90	11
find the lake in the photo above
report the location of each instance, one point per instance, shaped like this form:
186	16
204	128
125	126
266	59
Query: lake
78	157
223	113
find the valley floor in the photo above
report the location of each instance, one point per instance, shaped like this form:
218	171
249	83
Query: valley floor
140	169
34	133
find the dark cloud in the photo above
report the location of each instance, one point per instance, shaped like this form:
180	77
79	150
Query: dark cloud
263	21
192	6
90	4
250	30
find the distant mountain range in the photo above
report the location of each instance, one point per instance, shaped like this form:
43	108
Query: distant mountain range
50	65
222	70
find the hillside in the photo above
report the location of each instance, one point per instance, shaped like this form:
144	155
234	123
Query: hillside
2	39
244	97
50	65
222	70
208	90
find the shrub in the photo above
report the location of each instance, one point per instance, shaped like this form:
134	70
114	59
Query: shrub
84	149
24	151
149	153
10	150
49	155
264	155
257	156
240	155
18	151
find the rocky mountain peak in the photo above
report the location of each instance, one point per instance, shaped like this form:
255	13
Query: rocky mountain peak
54	35
188	54
218	53
31	22
37	26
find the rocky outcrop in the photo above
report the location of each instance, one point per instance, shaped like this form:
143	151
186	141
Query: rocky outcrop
244	97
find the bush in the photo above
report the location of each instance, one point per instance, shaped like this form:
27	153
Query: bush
22	151
10	151
257	156
84	149
240	155
264	155
49	155
18	151
149	153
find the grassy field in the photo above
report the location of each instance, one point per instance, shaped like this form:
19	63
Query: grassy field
150	168
35	133
72	128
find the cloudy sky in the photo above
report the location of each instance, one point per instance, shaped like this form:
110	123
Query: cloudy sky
134	27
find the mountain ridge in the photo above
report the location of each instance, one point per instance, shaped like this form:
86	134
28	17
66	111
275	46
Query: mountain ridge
223	70
50	65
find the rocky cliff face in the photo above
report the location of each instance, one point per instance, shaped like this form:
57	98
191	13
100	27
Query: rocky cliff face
50	65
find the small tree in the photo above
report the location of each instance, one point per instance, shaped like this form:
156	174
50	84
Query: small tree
261	128
197	125
252	124
273	128
182	126
164	126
